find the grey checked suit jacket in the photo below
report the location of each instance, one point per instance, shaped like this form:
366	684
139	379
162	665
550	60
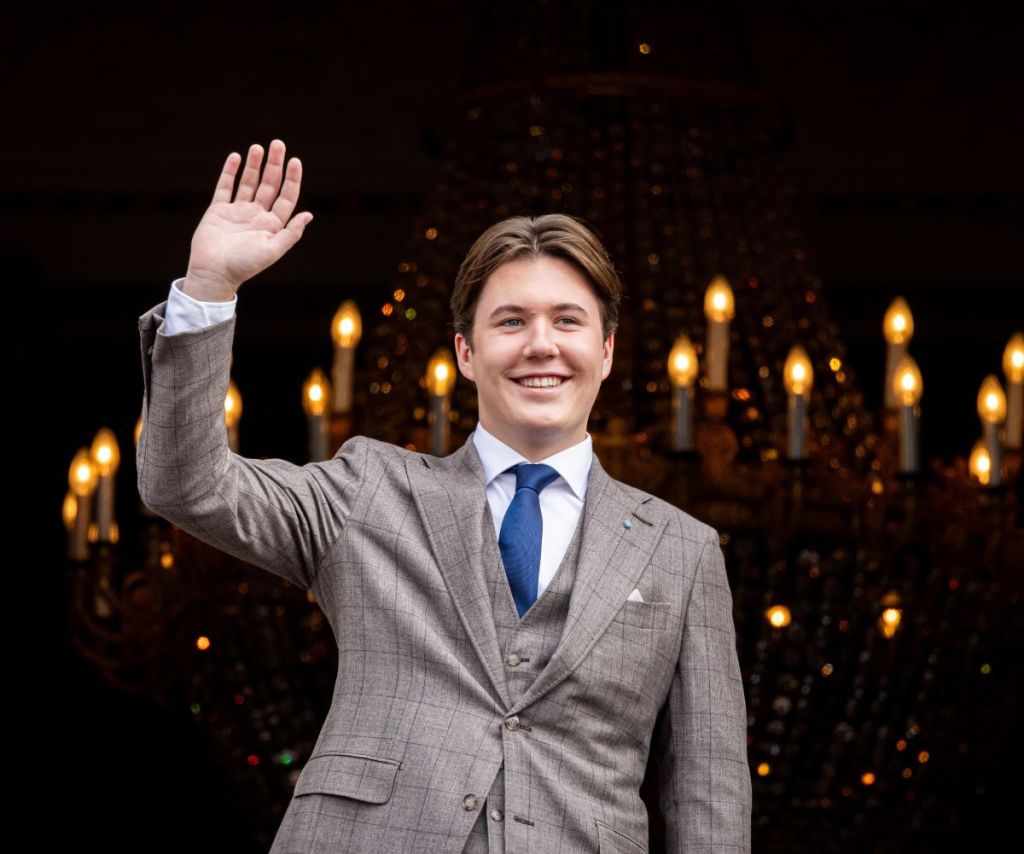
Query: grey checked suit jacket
389	542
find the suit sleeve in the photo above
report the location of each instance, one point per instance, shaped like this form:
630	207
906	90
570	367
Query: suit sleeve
274	514
704	773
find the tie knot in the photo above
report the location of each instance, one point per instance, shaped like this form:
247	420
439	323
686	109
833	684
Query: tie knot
533	476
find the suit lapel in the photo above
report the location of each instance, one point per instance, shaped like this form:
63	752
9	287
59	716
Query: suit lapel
450	493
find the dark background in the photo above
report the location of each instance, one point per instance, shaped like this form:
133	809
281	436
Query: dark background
903	149
904	130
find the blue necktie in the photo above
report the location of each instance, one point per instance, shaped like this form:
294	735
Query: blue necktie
521	532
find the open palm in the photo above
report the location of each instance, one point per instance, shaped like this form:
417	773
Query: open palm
245	231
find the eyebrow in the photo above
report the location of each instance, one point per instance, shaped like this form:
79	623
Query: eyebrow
562	306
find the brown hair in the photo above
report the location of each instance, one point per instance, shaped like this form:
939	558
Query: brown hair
558	235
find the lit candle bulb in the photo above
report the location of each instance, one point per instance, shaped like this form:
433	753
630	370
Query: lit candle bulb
346	330
316	392
898	328
106	459
892	614
232	414
992	411
779	616
440	380
979	463
719	309
82	478
798	377
907	388
1013	368
889	621
682	370
68	510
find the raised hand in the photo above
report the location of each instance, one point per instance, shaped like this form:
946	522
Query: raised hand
242	236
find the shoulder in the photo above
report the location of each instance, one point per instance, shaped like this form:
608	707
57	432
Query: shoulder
364	446
371	458
371	461
688	527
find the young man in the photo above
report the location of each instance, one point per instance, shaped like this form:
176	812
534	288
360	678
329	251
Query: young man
517	631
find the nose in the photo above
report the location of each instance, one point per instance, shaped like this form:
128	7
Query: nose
540	341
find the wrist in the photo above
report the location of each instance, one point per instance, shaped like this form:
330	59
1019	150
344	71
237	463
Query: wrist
205	289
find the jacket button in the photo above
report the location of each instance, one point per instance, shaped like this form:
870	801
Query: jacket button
469	802
512	723
496	815
513	659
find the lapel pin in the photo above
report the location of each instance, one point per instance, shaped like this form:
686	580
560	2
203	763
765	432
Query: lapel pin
628	523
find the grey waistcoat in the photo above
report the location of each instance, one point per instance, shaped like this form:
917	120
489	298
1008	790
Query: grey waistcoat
526	645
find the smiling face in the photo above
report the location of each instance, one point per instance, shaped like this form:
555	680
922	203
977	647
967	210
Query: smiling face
536	317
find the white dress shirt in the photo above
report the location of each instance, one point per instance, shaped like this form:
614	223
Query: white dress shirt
561	502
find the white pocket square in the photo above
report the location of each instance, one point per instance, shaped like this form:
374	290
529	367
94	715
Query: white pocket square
635	596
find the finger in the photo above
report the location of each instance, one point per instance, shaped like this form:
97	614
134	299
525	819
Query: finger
226	182
289	197
288	236
271	182
251	175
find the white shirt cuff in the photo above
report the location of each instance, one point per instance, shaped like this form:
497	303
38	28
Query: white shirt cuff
186	313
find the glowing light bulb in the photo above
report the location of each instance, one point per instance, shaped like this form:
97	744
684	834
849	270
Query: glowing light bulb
991	401
441	374
797	373
719	304
1013	358
907	381
83	474
682	362
890	620
316	393
979	463
898	323
69	510
232	405
347	325
105	454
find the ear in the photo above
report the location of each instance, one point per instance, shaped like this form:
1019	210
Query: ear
609	348
464	356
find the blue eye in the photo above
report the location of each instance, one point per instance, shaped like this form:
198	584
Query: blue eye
517	320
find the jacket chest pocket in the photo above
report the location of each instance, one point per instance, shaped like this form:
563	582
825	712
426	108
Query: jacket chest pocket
644	615
370	779
632	653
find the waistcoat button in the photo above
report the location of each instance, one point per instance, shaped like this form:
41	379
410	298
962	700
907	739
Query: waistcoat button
512	659
496	815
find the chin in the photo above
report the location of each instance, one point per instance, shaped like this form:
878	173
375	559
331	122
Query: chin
545	428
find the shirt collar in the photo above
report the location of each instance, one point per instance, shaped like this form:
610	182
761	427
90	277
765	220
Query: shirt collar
573	464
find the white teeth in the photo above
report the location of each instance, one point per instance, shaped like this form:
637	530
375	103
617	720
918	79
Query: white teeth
543	382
